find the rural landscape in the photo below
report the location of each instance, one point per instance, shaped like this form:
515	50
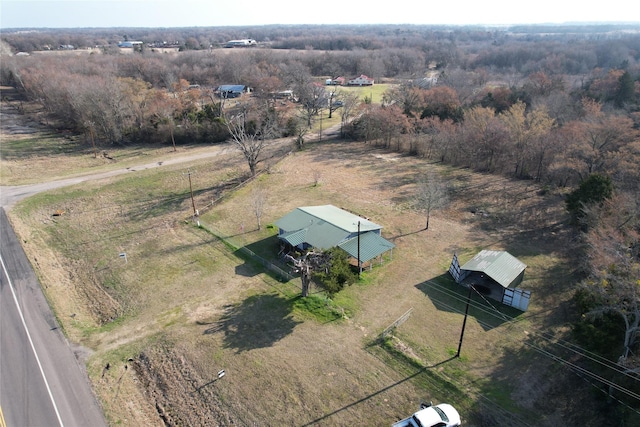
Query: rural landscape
175	288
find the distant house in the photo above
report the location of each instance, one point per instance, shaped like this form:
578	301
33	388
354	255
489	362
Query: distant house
338	81
283	94
494	274
325	227
427	82
241	43
129	44
231	91
361	80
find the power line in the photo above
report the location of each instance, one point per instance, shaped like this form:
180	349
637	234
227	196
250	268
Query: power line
585	371
583	353
513	321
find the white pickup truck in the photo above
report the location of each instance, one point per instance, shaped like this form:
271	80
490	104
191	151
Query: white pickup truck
442	415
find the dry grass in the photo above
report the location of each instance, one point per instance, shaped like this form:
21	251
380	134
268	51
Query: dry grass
187	306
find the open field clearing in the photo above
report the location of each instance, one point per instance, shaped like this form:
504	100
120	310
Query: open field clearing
155	326
31	152
161	323
374	92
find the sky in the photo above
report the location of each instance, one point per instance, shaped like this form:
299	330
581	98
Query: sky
213	13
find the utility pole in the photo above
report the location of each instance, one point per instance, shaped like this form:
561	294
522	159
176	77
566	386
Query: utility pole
320	139
464	322
359	264
193	203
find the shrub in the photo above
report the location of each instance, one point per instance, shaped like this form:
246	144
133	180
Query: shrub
593	190
338	274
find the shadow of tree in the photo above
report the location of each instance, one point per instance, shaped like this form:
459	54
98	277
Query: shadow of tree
539	381
259	321
248	269
160	205
383	390
45	143
151	206
447	295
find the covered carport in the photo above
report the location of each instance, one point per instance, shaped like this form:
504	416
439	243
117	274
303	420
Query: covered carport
495	275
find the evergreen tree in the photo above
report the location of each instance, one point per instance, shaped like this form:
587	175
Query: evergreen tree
337	274
626	90
595	189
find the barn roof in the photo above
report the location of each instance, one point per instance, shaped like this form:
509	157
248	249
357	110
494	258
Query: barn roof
340	218
231	88
371	245
501	266
327	226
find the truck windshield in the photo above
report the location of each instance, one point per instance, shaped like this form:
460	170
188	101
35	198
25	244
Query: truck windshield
441	413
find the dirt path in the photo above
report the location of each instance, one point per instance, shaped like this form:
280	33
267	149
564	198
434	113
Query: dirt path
9	195
14	123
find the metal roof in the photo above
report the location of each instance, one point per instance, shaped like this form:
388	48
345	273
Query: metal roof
231	88
371	245
340	218
327	226
295	238
501	266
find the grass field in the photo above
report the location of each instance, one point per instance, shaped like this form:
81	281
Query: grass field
186	302
374	93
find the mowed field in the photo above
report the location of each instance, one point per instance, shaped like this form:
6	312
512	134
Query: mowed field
156	327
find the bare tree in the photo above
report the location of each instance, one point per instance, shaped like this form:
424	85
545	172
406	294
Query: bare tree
317	175
164	108
613	262
90	128
306	264
335	102
465	83
258	202
249	132
312	98
431	195
350	104
300	130
407	96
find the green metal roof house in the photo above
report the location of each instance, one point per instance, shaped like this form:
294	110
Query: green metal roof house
324	227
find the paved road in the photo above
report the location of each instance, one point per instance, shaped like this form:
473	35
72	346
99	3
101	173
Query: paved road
42	383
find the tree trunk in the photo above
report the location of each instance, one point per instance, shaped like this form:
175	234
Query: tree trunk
305	277
630	333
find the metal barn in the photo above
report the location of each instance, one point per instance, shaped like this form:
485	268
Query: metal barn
494	274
